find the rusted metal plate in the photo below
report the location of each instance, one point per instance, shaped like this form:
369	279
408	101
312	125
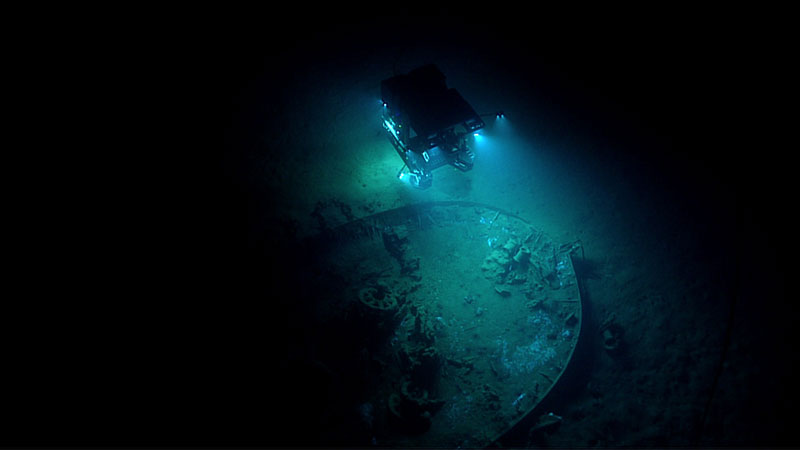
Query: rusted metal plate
471	313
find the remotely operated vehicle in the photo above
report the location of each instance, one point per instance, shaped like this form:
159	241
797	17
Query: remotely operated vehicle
429	124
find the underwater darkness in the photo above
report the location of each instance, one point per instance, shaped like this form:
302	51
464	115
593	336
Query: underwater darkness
618	136
623	136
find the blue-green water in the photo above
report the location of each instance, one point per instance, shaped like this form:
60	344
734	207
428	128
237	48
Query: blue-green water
614	147
624	137
613	143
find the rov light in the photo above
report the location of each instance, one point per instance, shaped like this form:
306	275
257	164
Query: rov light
500	114
390	126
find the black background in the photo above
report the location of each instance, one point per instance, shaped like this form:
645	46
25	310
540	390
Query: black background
180	358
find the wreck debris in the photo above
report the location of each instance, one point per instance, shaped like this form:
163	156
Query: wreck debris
502	291
547	423
611	333
447	361
377	297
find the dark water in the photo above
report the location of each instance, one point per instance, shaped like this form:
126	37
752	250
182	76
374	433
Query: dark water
625	136
621	137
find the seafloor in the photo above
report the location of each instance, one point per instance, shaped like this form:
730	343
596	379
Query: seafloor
610	138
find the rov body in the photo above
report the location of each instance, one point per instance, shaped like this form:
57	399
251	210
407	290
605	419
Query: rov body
429	124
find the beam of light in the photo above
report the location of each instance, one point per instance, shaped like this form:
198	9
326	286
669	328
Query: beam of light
501	125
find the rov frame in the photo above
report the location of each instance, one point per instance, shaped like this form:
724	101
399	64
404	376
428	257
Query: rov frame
429	124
